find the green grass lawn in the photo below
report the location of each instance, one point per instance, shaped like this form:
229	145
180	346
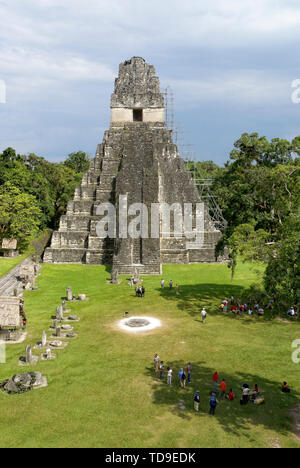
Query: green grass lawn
102	390
7	264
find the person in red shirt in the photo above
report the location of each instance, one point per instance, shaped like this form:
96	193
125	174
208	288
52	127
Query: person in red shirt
223	389
215	380
231	395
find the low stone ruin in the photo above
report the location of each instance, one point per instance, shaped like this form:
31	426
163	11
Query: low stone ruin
12	311
22	383
27	275
9	247
29	359
47	355
72	298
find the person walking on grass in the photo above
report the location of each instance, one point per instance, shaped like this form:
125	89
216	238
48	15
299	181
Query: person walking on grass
169	376
215	380
189	372
161	370
204	315
223	389
171	285
196	400
156	362
176	289
143	292
213	404
162	284
182	378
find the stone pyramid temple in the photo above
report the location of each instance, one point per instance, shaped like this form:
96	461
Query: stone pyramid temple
137	158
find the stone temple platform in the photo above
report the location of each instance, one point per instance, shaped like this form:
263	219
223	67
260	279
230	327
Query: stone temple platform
137	158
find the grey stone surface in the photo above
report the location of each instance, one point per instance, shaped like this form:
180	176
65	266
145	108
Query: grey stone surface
21	383
69	294
59	313
138	159
28	354
44	339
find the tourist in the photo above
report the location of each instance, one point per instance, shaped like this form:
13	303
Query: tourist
24	324
213	404
177	289
261	312
225	302
222	306
254	393
291	312
223	389
162	284
131	281
171	285
245	394
196	400
161	370
233	309
232	300
285	388
204	315
156	362
215	380
230	396
169	376
143	291
189	372
250	312
182	377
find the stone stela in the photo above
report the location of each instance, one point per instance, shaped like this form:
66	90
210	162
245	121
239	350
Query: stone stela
9	247
139	159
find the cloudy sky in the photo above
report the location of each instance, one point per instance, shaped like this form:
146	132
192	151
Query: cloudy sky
230	64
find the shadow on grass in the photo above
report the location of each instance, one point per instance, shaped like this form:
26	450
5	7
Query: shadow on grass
192	298
233	417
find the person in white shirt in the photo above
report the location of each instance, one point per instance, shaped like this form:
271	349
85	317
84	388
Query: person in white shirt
169	376
204	314
156	362
162	283
246	391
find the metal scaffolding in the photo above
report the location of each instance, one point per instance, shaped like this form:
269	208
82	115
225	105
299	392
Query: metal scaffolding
204	187
188	154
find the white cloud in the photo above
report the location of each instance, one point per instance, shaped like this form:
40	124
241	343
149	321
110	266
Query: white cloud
243	87
139	23
56	55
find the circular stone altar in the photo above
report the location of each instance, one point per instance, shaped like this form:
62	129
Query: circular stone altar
139	324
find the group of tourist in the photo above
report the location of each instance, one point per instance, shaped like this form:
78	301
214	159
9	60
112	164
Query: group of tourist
223	392
140	291
237	307
184	375
171	286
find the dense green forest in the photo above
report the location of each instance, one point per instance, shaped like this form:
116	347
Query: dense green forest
258	191
34	192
